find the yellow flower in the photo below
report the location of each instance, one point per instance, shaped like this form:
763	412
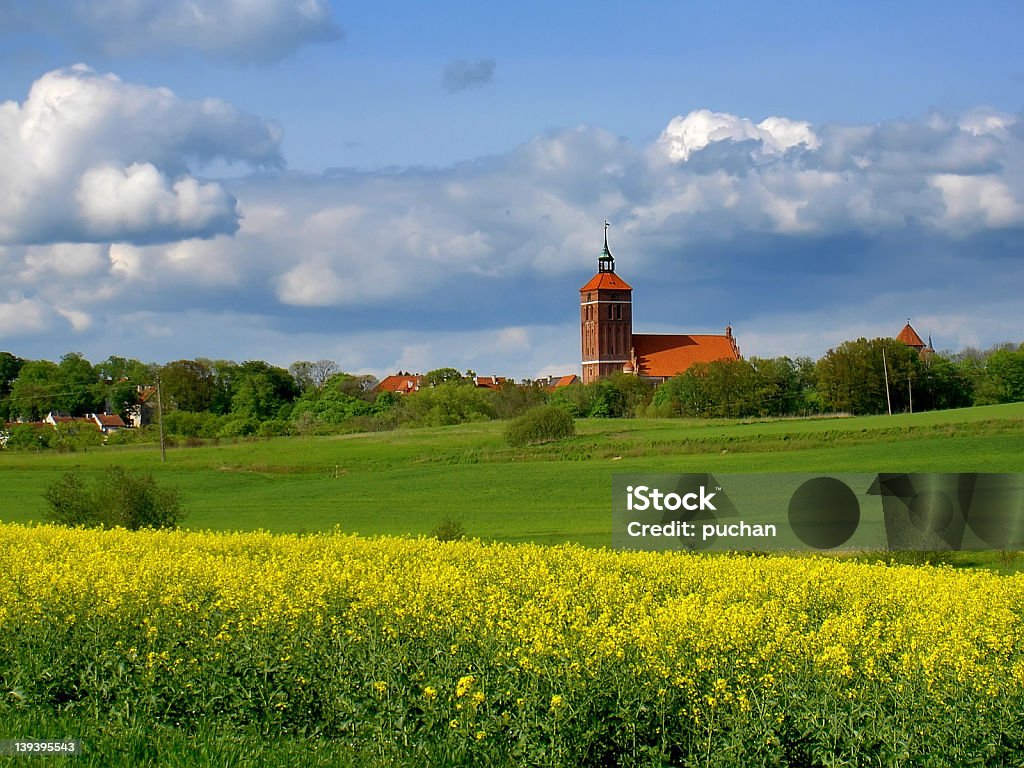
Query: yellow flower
464	684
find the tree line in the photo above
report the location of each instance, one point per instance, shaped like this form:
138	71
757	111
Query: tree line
858	377
205	398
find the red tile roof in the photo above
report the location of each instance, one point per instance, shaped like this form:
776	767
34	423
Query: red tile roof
665	355
606	281
401	383
909	337
490	382
109	420
557	382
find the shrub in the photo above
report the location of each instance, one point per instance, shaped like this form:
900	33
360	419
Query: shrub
540	425
449	529
116	499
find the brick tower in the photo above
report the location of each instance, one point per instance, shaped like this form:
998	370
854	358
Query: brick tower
606	319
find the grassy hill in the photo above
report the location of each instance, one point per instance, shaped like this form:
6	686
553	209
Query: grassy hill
405	482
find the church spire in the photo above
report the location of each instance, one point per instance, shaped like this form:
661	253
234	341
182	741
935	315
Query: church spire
606	262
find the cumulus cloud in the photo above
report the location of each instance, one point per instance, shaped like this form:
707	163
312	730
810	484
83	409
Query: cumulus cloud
240	30
90	158
20	316
531	217
772	136
460	74
799	235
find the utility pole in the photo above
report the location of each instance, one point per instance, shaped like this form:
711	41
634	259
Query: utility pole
160	417
910	394
885	368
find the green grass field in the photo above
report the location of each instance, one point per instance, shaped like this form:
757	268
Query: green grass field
404	483
407	481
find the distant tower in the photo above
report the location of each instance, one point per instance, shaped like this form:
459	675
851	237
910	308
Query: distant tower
909	337
606	319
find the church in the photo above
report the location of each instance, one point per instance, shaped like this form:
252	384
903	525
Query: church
610	346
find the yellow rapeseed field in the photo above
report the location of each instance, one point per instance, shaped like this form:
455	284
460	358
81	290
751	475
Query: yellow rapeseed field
466	653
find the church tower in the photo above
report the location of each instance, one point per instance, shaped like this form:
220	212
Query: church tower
606	319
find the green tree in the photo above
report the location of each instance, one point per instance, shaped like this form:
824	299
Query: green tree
188	385
852	377
451	402
685	394
36	390
1004	371
439	376
225	379
312	375
9	367
260	391
80	390
575	399
120	379
942	384
341	398
511	400
117	498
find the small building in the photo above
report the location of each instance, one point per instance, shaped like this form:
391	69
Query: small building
142	413
489	382
109	422
54	418
557	382
401	383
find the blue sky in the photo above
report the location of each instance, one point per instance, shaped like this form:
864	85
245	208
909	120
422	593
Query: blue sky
407	186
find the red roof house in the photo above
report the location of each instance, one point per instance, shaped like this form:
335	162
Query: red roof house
400	383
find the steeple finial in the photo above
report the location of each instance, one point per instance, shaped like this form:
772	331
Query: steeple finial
606	262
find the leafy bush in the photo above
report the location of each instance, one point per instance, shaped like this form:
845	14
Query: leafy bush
449	529
116	499
540	425
451	402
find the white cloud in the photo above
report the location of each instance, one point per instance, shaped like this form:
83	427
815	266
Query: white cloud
240	30
21	316
477	265
977	202
774	135
122	203
79	321
89	158
64	261
314	284
981	121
